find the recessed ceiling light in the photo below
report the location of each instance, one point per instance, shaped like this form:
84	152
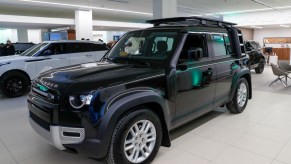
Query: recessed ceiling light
256	27
282	25
87	7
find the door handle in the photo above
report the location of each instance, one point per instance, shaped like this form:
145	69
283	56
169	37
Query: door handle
89	55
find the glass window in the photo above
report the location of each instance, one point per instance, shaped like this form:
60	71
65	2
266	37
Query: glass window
55	49
33	50
221	44
145	45
98	47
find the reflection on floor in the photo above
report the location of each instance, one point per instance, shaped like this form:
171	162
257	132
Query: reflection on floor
259	135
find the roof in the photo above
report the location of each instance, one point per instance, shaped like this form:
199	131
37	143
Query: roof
190	21
74	41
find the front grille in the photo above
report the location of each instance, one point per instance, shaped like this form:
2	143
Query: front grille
39	121
49	95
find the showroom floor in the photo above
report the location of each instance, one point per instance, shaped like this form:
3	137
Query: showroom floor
260	135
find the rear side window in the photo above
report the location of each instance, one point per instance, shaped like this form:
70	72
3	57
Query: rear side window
86	47
98	47
221	44
80	47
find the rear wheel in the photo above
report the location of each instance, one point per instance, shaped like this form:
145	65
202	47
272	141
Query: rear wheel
14	84
261	67
240	98
136	139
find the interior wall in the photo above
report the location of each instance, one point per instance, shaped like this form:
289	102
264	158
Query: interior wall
34	36
248	34
260	34
8	34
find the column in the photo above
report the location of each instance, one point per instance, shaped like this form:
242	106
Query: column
84	24
22	35
164	8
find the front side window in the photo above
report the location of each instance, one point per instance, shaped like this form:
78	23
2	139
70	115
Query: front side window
34	49
55	49
145	46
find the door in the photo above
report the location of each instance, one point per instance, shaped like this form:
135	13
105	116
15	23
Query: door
81	53
54	56
224	60
196	86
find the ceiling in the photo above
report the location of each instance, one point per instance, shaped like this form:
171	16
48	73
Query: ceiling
110	10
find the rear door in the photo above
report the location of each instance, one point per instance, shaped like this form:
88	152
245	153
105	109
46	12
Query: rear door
224	60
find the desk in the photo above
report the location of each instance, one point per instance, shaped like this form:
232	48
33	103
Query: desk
282	53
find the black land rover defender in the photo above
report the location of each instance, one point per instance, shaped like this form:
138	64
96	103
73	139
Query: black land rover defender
152	81
256	59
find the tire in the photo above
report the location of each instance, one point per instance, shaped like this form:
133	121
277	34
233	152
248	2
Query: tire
261	67
14	84
242	90
117	153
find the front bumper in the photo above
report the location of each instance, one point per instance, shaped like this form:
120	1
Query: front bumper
58	135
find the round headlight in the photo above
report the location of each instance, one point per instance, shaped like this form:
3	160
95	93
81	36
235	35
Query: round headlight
78	102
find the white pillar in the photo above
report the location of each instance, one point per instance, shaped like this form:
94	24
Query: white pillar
22	35
164	8
84	24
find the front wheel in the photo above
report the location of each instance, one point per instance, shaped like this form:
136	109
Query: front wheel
261	67
136	138
14	84
240	98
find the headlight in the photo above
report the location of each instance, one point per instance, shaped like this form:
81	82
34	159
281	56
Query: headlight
77	102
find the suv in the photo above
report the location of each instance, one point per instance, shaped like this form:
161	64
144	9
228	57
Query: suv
152	81
256	58
17	71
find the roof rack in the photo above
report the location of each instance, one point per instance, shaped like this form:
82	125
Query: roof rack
190	21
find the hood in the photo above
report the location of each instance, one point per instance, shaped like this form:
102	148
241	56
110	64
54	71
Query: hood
92	76
13	58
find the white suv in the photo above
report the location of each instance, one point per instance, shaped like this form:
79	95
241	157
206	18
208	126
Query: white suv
17	71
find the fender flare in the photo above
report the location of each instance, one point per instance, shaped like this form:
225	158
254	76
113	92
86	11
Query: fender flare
128	101
243	73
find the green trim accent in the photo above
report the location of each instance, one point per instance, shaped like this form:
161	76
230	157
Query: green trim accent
42	88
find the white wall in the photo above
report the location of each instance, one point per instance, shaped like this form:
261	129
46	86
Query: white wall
106	36
248	34
10	34
260	34
34	36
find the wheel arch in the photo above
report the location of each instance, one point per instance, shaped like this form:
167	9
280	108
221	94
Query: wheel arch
135	100
244	73
17	70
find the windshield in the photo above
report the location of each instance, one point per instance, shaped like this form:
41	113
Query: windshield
145	46
34	49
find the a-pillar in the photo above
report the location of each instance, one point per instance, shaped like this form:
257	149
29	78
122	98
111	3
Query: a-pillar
84	24
164	8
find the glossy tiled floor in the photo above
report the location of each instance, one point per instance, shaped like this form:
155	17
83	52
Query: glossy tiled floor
260	135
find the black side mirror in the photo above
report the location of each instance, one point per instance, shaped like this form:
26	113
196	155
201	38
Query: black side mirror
196	54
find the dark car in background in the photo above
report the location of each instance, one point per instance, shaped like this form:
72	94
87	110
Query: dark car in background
21	47
152	81
256	58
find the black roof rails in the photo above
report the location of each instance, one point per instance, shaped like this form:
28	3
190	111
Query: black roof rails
190	21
